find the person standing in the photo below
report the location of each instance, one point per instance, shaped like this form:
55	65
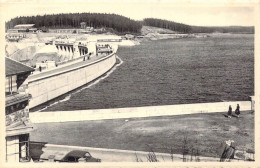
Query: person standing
237	111
229	111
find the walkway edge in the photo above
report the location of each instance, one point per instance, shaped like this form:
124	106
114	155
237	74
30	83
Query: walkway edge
136	112
177	157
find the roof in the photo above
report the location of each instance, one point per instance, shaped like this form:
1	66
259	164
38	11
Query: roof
76	153
16	98
13	67
12	30
129	35
21	127
24	25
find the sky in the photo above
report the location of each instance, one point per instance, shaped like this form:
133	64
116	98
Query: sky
223	13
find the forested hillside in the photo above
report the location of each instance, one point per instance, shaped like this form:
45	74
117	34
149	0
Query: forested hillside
227	29
96	20
195	29
167	25
117	23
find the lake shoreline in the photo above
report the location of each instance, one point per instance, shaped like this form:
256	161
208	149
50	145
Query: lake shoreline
163	36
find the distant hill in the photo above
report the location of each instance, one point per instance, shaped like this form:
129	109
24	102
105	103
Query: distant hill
228	29
174	26
73	20
149	29
117	24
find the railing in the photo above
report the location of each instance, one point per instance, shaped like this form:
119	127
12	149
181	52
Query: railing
72	60
10	93
26	150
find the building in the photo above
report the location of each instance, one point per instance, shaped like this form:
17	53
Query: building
18	126
25	28
71	31
83	25
129	37
12	31
15	36
86	30
107	39
100	30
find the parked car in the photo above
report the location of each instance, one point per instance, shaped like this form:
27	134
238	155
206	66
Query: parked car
71	156
79	156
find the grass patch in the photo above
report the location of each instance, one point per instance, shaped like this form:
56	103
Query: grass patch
204	133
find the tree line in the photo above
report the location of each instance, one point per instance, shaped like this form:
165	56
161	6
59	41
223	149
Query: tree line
116	23
196	29
178	27
72	20
226	29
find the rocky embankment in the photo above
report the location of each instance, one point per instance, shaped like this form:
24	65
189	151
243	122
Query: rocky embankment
25	49
153	33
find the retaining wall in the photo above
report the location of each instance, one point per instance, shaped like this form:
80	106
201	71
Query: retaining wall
134	112
52	86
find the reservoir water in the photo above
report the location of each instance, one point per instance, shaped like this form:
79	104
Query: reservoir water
172	71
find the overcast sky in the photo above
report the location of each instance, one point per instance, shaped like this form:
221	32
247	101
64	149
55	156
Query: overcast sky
188	12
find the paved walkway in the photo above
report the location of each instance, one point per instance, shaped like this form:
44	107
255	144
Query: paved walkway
71	65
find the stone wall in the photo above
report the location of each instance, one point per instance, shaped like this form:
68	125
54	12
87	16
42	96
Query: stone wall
134	112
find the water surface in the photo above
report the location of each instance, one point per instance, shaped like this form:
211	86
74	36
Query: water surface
173	71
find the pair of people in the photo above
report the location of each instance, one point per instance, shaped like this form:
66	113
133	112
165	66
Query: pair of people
237	111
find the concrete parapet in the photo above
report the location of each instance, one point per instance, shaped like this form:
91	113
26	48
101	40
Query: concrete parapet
135	112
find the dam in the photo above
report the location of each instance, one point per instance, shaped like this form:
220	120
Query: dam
91	62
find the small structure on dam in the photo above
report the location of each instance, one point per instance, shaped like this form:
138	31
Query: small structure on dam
69	48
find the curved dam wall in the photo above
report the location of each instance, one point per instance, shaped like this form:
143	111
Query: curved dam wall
50	86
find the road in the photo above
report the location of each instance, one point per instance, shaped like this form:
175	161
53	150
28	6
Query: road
63	68
113	155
